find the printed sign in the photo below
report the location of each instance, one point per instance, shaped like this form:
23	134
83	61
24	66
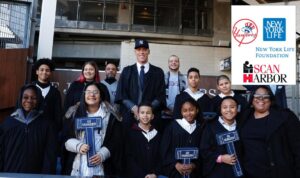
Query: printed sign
263	45
228	138
89	124
186	154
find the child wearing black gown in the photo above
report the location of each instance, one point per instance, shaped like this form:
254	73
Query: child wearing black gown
142	146
27	140
224	86
52	104
182	132
192	91
216	162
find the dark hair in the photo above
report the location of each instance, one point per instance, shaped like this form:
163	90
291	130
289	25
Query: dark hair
100	88
81	112
82	79
192	102
193	70
148	104
221	77
199	116
111	64
269	91
36	90
44	61
223	99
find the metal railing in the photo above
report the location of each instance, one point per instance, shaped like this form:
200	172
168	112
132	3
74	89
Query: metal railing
14	24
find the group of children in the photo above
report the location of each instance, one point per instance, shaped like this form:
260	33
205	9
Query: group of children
267	144
150	153
155	154
28	142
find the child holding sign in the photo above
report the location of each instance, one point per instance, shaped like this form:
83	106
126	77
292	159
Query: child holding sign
182	133
216	162
106	140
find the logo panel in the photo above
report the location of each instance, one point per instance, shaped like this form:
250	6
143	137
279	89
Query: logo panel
274	29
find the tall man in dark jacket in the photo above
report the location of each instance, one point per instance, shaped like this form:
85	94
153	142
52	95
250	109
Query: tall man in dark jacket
141	82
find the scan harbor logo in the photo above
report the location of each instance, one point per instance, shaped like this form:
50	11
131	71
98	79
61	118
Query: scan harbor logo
263	73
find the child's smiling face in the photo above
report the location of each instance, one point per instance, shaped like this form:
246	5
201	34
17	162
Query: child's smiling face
229	110
189	112
145	115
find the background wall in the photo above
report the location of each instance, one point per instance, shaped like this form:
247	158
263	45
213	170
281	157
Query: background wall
13	66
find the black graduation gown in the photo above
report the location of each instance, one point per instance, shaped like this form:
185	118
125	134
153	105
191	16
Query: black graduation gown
112	141
175	137
242	103
52	107
142	157
28	148
75	91
204	103
128	89
282	143
210	150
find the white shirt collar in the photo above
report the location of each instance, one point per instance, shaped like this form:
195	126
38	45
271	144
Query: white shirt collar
196	95
45	91
146	69
221	95
226	126
186	125
149	134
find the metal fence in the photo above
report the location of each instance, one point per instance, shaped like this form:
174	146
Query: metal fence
14	24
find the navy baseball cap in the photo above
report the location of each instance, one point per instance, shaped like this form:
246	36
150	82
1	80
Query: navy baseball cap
141	43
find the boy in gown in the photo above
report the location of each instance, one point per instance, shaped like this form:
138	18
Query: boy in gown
52	100
142	146
192	91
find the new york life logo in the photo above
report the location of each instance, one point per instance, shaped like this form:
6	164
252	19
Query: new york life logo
262	73
274	29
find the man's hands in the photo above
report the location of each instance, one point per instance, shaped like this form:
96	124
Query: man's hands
134	110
